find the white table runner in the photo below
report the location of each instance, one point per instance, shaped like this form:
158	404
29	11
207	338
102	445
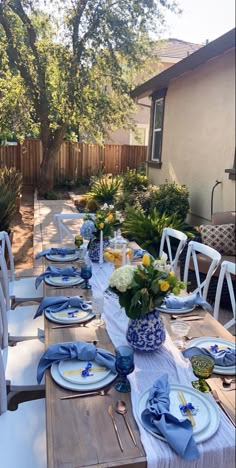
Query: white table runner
219	450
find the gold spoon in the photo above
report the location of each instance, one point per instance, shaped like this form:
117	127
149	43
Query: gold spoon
121	409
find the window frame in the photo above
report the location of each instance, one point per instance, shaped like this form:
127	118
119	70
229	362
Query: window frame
159	96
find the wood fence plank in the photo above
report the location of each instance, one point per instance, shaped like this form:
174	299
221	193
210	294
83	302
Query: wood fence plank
74	160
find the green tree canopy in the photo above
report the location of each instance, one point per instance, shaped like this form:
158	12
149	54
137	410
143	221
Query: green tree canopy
67	67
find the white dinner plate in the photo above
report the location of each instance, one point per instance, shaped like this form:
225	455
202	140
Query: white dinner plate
183	310
58	281
207	418
79	387
58	317
207	342
71	371
63	258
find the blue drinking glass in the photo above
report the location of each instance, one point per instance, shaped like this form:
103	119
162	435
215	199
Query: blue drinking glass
86	274
124	366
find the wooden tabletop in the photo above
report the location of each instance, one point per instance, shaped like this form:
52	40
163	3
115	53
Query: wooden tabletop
80	433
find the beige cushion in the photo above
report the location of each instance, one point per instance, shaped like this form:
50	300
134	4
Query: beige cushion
220	237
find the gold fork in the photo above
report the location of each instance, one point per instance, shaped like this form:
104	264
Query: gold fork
188	412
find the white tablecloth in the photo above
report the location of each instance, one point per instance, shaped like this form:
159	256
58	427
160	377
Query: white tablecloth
219	450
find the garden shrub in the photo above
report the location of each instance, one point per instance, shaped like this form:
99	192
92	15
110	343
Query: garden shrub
171	198
132	180
104	189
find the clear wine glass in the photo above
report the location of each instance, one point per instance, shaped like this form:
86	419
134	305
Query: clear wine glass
86	274
180	330
124	366
98	306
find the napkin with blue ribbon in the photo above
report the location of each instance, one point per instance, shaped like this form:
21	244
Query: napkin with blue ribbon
222	357
184	302
57	303
56	251
55	271
157	418
75	350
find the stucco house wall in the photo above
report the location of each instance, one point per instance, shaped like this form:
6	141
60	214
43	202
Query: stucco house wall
199	135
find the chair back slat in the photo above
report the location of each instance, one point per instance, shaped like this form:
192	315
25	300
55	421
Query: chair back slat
3	321
64	229
226	271
5	244
169	234
5	279
3	387
209	252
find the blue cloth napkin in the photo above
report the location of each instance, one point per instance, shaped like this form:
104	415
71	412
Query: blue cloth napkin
57	303
224	357
139	253
55	271
190	300
55	251
75	349
156	417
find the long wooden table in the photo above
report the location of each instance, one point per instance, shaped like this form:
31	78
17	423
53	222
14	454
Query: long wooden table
80	431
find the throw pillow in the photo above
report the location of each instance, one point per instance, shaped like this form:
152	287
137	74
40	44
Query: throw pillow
220	237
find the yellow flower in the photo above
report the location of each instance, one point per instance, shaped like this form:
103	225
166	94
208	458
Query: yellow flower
110	217
101	225
146	260
172	273
164	286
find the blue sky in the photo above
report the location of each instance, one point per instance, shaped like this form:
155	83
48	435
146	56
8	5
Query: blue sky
201	20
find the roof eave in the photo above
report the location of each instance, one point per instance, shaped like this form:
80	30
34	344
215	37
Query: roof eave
211	50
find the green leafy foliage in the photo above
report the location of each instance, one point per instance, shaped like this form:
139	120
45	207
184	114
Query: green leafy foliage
171	198
7	207
147	289
146	230
132	180
12	179
104	189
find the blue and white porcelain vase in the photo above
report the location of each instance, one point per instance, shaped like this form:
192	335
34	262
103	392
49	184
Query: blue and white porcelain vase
94	249
146	333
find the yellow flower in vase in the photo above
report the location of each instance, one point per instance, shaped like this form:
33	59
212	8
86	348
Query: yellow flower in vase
101	225
110	218
164	285
146	260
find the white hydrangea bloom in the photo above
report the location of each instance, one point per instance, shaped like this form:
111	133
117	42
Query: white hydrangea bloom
163	258
122	278
104	207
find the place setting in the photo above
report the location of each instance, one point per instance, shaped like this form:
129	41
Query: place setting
66	310
183	304
61	254
78	366
178	415
60	277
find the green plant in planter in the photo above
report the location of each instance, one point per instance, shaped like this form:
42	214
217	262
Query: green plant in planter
12	179
132	179
104	189
146	230
171	198
7	208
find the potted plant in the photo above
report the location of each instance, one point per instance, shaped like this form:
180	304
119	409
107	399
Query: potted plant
141	290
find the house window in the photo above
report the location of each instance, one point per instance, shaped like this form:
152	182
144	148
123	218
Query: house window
157	129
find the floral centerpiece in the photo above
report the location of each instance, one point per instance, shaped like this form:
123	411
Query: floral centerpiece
106	220
141	289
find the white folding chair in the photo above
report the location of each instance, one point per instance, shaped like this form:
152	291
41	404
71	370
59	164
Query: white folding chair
167	235
21	360
193	249
227	269
64	229
22	432
23	289
21	323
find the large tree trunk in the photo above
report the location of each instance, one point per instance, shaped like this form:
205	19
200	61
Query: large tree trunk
50	150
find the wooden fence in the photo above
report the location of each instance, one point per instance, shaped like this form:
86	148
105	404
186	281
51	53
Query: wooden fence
74	160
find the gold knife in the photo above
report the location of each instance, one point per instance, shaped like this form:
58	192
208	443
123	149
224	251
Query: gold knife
187	319
183	402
